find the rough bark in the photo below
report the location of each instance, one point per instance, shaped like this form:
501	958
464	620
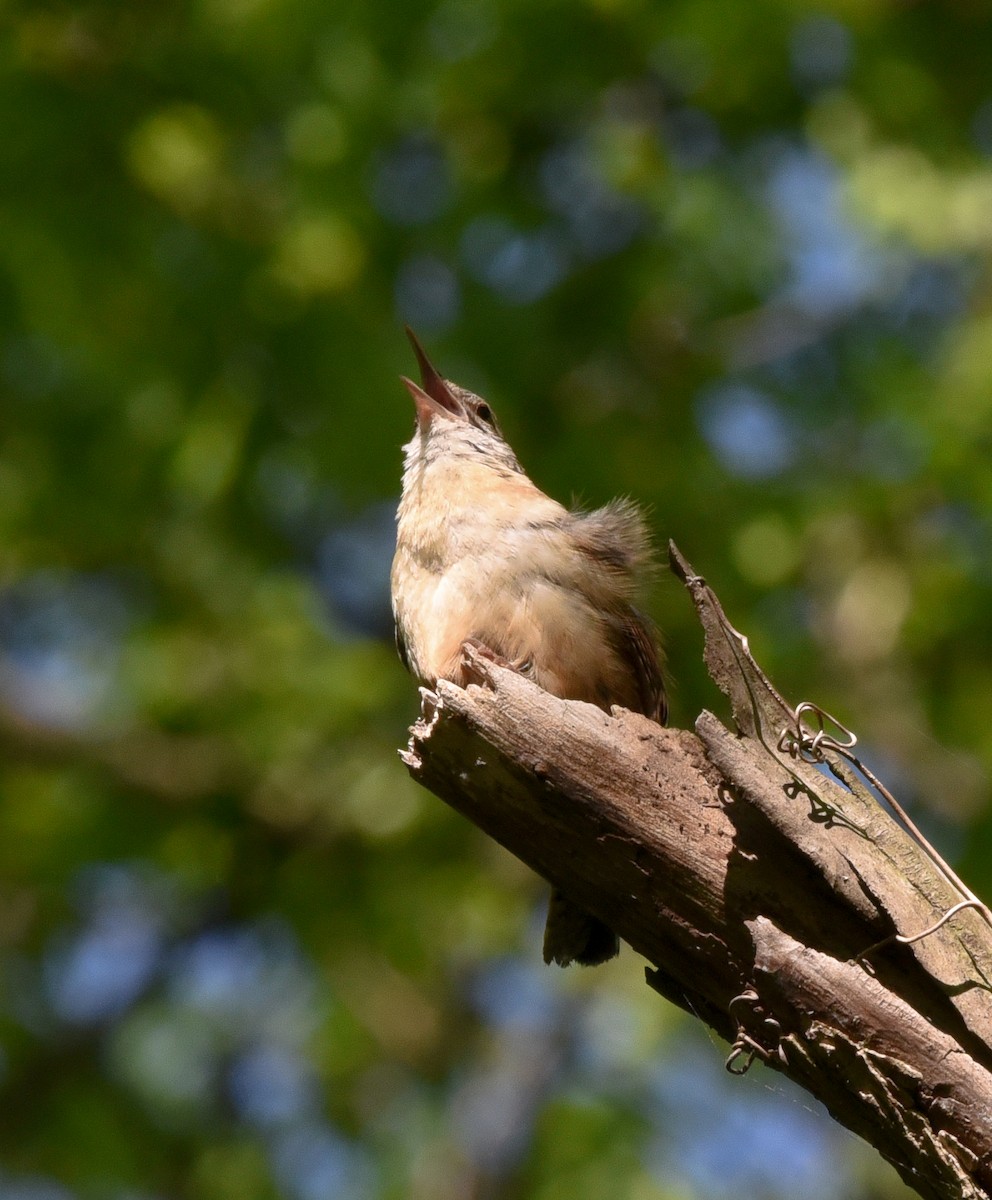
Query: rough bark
753	882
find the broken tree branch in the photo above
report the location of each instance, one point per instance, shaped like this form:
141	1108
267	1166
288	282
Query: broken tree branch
765	889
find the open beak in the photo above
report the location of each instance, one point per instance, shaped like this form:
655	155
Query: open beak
435	394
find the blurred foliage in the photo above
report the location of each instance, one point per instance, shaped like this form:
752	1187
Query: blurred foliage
732	260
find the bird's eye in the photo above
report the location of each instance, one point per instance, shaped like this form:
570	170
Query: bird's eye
485	413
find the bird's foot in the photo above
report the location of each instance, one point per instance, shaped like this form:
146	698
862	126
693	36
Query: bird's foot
475	653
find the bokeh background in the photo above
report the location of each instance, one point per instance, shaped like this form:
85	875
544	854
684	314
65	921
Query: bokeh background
730	259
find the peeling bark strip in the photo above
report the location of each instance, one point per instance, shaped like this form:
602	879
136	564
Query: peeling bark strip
753	882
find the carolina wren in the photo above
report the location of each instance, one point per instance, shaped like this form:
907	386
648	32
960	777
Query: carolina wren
484	556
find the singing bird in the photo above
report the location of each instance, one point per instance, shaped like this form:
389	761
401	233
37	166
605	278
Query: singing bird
484	556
